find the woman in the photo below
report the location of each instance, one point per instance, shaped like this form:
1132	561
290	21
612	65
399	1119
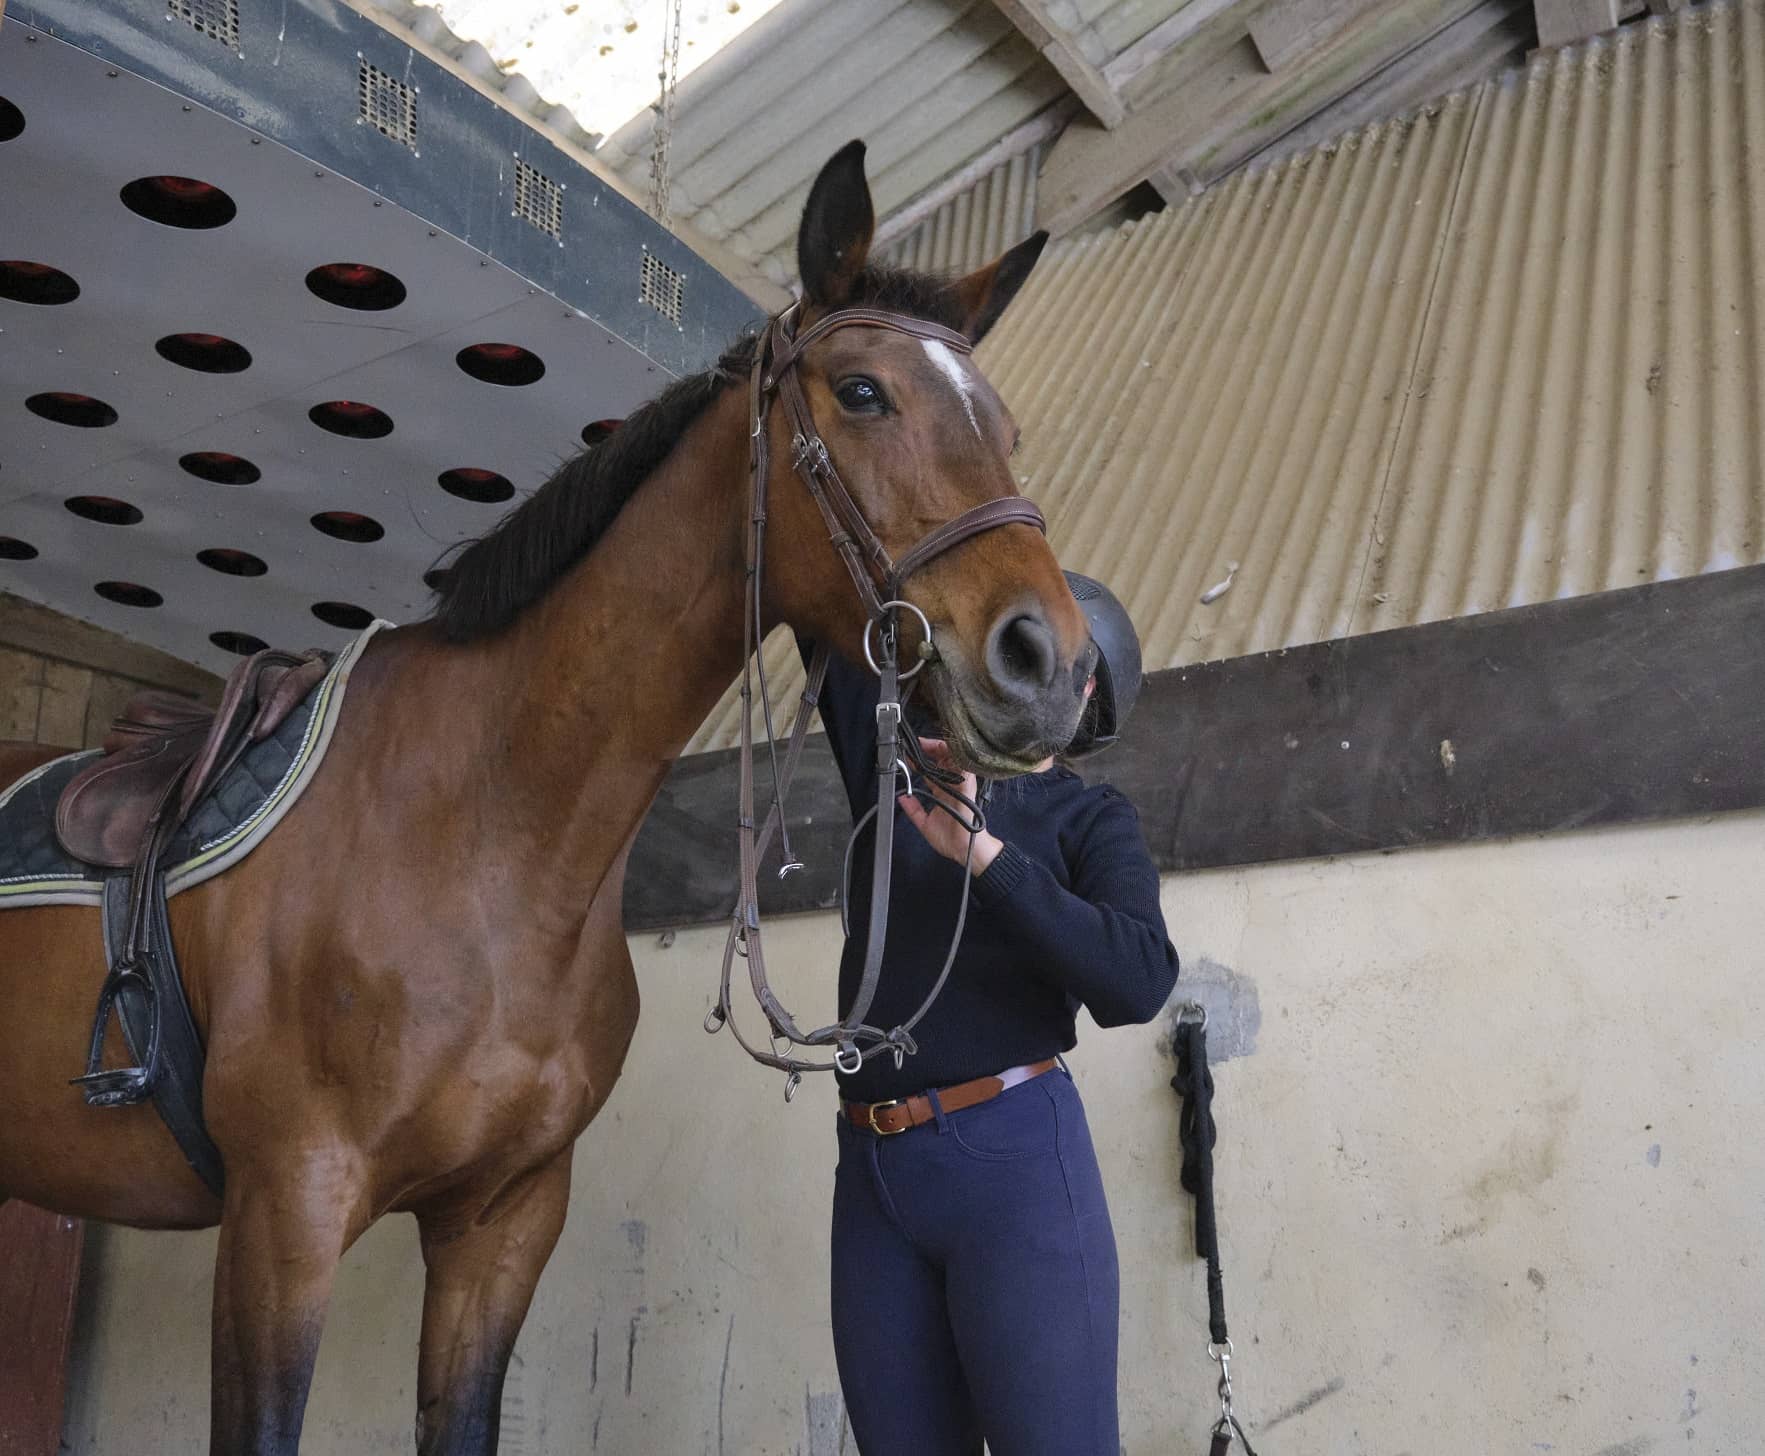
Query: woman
974	1266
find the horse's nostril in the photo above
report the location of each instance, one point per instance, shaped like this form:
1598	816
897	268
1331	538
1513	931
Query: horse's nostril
1023	653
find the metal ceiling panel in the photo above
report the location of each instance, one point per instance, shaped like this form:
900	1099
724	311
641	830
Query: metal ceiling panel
94	124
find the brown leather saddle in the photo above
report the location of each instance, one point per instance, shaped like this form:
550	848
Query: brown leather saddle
164	745
159	760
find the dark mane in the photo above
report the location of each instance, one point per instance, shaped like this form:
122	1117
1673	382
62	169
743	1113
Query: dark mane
495	578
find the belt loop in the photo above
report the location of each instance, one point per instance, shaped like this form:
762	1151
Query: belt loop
938	1112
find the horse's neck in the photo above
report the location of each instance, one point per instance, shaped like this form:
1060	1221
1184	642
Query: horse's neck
596	688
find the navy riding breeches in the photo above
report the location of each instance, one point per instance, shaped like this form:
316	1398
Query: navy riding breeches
975	1288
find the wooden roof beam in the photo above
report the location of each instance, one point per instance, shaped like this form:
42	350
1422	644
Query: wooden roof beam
1130	72
1234	102
1060	50
1562	22
1288	33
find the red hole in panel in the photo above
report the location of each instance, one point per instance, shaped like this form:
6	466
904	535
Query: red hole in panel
208	353
242	643
182	202
343	614
128	594
507	364
231	562
348	526
26	282
351	419
485	487
219	468
79	410
107	510
356	285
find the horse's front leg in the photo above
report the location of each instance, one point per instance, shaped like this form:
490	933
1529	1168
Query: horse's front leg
285	1224
484	1262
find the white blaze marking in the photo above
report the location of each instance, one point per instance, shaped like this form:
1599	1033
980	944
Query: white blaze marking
951	368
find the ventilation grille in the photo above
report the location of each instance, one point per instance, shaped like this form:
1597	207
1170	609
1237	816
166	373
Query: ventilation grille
663	289
216	18
539	199
387	104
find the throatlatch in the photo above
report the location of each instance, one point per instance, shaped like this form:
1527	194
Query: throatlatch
879	580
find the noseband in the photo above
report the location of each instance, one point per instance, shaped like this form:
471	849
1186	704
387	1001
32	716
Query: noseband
879	580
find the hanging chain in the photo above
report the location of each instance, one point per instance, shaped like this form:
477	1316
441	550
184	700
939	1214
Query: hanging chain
662	132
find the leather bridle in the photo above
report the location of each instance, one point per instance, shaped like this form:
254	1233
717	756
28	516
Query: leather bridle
879	580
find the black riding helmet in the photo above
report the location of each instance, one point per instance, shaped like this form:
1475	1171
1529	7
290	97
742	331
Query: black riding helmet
1118	667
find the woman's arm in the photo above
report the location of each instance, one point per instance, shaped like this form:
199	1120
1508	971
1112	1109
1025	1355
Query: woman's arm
1103	940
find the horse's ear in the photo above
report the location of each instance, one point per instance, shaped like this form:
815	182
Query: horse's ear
982	296
838	221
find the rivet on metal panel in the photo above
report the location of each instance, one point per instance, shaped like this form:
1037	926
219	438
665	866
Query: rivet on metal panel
112	75
257	141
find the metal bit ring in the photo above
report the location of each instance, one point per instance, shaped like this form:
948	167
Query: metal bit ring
924	624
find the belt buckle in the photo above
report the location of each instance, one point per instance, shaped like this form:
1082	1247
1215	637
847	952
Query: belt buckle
876	1107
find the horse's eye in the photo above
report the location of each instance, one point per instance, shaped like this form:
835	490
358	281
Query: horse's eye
861	395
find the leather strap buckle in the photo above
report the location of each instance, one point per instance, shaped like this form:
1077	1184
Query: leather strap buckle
876	1107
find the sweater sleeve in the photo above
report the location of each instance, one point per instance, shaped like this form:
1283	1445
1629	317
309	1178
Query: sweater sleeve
1104	940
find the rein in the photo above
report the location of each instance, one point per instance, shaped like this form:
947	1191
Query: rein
879	580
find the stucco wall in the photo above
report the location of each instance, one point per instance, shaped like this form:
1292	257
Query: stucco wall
1490	1181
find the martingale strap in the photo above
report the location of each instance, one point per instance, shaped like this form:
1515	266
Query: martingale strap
879	580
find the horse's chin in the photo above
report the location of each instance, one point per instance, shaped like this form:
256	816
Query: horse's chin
969	745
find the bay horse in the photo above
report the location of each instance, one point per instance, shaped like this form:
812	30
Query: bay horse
416	993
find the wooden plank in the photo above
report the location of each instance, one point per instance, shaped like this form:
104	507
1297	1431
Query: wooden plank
1290	32
1493	38
1171	34
1061	51
1234	104
1561	22
1626	706
39	1276
27	627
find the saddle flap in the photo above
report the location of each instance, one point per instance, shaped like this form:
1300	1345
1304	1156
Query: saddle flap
102	815
153	714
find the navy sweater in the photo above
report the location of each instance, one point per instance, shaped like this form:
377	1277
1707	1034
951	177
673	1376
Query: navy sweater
1066	915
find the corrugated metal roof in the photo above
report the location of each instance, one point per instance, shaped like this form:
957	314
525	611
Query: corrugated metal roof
1509	349
598	57
928	85
976	225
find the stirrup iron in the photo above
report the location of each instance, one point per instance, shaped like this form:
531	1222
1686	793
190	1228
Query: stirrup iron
121	1086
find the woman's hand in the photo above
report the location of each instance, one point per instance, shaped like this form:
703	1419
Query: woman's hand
942	832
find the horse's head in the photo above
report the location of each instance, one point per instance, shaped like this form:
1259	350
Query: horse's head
918	437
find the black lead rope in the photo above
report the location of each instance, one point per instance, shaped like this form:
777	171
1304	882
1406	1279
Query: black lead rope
1198	1132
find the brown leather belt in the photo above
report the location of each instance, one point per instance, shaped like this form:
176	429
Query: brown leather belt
885	1119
